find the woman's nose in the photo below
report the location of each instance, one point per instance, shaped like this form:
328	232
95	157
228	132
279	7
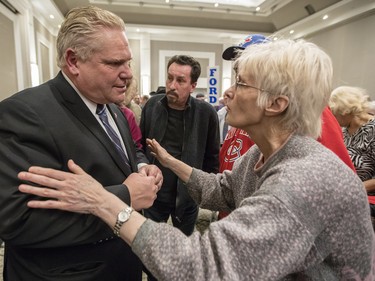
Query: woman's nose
228	92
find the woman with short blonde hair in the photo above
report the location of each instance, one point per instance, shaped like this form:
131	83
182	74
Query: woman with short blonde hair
351	105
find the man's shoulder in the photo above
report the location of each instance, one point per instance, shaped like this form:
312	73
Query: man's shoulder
29	96
153	106
154	100
204	107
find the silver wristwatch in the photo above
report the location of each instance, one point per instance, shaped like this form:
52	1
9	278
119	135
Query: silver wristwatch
122	217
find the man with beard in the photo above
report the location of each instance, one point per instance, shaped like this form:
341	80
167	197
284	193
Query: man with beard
189	130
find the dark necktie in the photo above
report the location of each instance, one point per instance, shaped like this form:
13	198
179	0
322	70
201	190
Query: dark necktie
100	110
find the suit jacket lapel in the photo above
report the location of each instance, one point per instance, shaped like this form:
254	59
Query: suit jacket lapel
77	107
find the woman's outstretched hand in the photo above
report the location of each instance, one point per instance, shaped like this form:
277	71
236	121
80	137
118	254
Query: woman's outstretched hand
182	170
159	153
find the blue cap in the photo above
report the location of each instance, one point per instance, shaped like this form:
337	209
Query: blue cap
231	52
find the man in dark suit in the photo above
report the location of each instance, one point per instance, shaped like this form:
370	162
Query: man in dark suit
57	121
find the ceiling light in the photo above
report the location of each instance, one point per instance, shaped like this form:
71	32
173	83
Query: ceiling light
325	17
51	16
166	1
257	9
291	32
216	5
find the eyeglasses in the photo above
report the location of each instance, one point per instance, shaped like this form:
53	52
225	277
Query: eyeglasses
242	84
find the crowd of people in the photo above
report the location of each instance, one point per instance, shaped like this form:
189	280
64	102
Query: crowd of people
91	170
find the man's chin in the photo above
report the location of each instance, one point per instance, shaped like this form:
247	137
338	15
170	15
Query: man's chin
120	98
171	98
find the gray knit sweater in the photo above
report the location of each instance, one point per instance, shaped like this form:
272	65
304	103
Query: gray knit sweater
302	215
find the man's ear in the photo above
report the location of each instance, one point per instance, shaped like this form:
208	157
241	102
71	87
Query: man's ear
71	61
277	106
193	86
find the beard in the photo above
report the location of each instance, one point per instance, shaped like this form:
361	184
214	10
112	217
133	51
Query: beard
172	97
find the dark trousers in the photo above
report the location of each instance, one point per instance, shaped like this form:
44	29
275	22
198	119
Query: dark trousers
160	212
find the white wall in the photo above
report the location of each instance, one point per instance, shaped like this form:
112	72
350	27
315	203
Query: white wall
352	49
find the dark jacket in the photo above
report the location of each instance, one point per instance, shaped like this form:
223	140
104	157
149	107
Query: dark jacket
46	126
201	141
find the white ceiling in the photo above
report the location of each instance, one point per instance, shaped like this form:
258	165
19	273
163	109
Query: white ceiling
232	7
228	22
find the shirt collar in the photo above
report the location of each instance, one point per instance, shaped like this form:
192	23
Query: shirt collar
91	105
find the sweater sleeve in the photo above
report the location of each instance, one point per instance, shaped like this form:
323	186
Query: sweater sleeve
262	240
224	191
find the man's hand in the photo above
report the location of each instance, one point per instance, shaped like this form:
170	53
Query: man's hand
142	190
153	171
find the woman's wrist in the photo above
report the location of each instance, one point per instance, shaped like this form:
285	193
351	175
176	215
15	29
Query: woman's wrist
109	210
131	227
110	206
170	162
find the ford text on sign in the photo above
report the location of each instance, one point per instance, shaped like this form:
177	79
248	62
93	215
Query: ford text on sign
213	84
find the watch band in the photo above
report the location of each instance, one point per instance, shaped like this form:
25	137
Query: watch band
122	217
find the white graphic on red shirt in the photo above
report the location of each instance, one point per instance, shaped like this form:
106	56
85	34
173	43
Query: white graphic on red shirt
234	151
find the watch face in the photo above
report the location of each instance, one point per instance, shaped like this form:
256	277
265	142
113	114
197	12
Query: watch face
123	216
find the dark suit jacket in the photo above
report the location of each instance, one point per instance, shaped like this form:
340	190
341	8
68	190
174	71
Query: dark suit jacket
46	126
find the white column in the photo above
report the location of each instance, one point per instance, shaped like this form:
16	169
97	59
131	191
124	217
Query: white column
145	62
24	41
227	72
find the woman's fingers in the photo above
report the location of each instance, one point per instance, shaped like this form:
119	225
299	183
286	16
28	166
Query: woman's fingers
42	176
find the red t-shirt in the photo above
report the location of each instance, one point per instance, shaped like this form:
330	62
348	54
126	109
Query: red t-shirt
235	144
332	137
